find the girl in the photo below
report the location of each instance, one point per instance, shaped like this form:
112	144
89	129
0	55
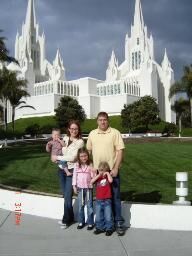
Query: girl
82	175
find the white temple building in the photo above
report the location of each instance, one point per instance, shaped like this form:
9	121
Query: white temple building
137	76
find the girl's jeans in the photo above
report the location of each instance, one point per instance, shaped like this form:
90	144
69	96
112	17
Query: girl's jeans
85	197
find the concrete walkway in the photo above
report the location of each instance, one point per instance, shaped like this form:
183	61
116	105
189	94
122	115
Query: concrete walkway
37	236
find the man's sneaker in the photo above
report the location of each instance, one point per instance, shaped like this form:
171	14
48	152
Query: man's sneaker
98	231
80	226
109	232
120	230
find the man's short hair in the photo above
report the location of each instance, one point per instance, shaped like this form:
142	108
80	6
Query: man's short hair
103	114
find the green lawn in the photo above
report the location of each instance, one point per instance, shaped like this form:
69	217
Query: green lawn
147	174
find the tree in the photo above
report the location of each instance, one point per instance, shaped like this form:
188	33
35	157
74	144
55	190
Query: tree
180	107
142	112
12	90
184	85
4	53
69	109
17	92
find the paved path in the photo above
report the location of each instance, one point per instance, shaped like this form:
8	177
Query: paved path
37	236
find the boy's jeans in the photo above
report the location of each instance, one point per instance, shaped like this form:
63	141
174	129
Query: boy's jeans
116	202
85	197
104	220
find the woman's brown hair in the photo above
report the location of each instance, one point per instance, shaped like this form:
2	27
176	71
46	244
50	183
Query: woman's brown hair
76	122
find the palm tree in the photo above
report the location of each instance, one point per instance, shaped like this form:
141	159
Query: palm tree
12	90
6	78
184	85
180	107
15	97
4	53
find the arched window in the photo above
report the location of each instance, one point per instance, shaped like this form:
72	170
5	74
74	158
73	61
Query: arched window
58	88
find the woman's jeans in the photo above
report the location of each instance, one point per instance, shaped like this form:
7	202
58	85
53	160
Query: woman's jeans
85	197
116	202
67	190
104	220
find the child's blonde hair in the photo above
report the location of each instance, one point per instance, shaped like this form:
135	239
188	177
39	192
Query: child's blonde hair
104	166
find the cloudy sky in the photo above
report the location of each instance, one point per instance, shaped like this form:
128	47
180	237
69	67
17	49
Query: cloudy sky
86	31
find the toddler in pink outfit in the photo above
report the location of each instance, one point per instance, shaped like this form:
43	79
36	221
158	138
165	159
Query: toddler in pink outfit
82	175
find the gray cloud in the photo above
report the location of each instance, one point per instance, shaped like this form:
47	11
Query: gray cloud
86	31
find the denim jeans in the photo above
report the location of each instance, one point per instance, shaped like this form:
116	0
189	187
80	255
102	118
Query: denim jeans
66	186
104	220
85	197
116	202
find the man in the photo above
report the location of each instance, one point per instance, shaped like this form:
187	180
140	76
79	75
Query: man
106	144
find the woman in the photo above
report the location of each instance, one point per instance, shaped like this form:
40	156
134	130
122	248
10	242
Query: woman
73	142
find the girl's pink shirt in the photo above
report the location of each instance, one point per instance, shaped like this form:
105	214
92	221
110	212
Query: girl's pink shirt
82	176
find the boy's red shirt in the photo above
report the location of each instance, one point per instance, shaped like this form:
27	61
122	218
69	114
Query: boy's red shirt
103	188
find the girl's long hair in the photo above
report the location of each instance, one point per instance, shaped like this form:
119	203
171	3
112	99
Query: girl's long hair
81	151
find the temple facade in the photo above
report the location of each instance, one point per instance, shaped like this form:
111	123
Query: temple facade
138	75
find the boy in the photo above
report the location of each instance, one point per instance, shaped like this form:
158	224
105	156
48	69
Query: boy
103	180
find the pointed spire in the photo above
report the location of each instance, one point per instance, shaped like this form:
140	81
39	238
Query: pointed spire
113	61
166	63
138	16
30	21
58	60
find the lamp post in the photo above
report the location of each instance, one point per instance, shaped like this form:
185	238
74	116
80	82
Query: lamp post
182	188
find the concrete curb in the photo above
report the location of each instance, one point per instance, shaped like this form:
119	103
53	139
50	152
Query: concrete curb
148	216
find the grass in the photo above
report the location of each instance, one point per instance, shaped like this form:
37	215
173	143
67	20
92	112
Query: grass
147	174
47	122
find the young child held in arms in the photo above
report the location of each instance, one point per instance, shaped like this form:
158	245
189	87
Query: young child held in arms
54	146
104	219
82	175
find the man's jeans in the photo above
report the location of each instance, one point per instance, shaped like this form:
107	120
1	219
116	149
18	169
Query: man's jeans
85	197
66	186
104	220
116	202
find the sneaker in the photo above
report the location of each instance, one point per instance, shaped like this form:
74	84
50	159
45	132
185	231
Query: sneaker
60	222
120	230
98	231
63	225
80	226
90	227
109	232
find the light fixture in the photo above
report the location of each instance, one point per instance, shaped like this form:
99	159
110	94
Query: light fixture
182	188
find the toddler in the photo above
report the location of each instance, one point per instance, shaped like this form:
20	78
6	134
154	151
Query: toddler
104	219
54	146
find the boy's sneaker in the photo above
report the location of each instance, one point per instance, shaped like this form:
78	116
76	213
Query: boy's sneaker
120	230
98	231
109	232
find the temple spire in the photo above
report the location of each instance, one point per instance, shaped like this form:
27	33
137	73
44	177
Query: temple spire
58	60
138	16
30	21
